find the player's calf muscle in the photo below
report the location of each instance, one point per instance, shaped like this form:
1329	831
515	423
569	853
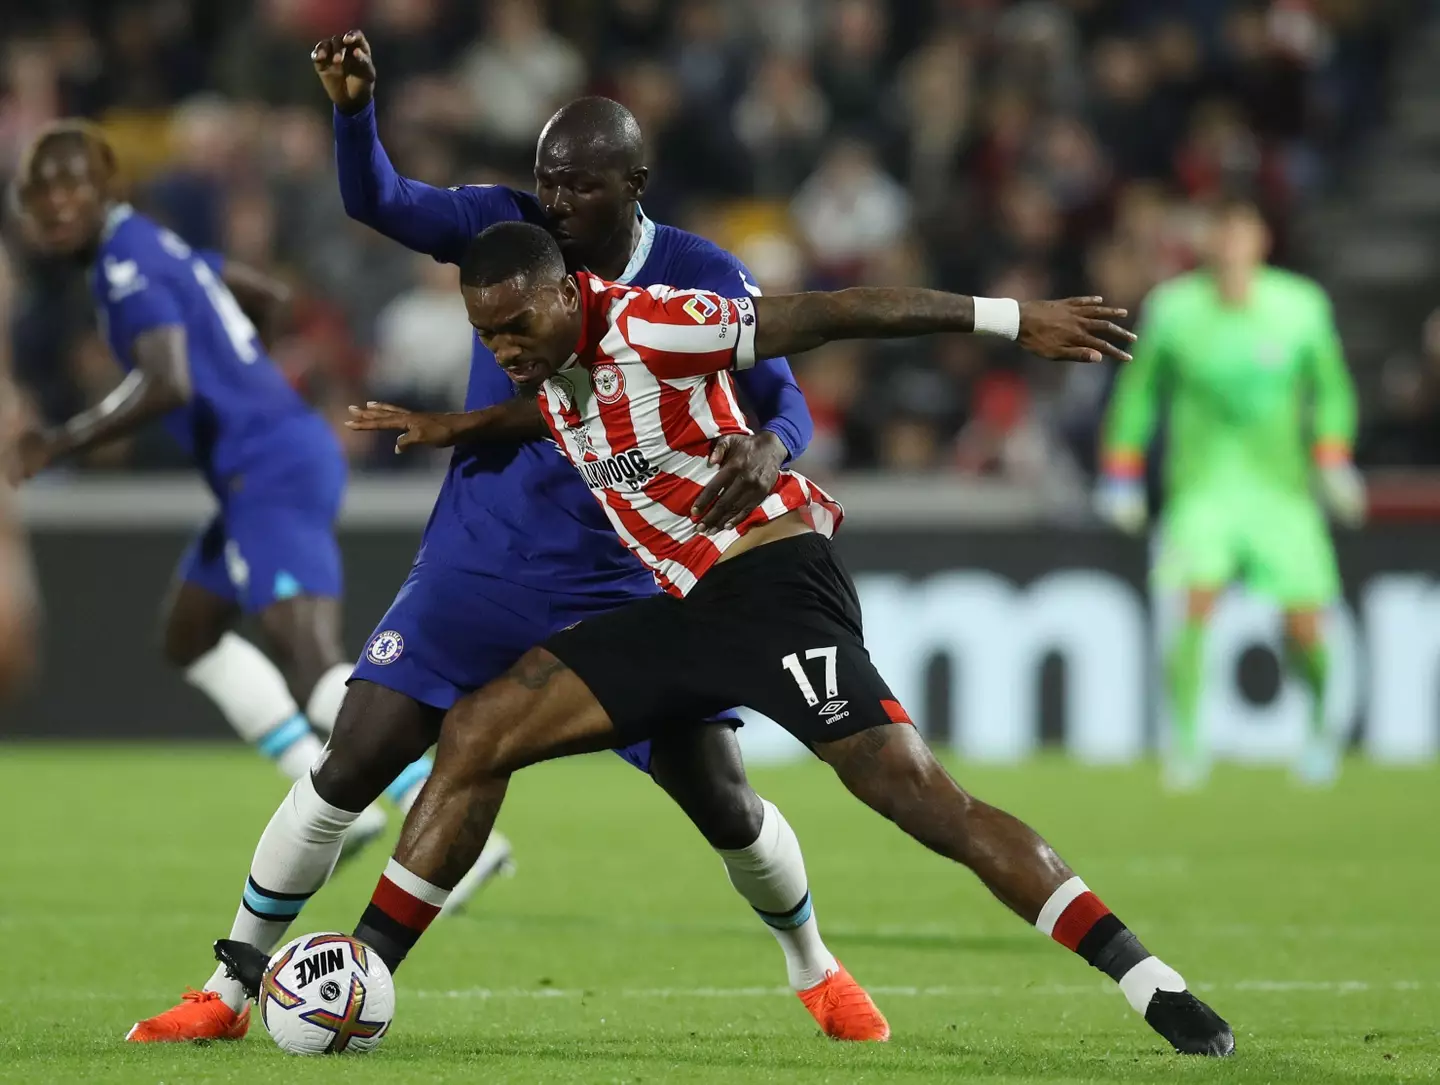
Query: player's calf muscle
891	770
447	829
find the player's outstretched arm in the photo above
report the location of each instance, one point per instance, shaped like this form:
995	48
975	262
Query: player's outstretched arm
436	221
159	383
515	420
1074	330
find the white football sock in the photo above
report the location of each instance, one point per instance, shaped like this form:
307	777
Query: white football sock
294	858
323	708
251	694
770	875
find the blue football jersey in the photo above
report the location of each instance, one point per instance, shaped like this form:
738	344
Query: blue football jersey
522	513
146	277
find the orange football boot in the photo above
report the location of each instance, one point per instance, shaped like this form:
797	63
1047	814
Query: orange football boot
843	1009
201	1015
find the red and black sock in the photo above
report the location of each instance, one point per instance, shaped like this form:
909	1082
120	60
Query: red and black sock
400	909
1079	921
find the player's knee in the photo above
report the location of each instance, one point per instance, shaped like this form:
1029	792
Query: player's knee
351	776
302	639
186	637
377	734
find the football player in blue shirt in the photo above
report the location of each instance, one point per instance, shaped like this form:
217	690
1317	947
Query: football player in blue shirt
517	549
173	317
18	598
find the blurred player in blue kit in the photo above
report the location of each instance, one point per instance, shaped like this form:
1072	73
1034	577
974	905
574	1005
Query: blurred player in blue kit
18	599
176	320
517	549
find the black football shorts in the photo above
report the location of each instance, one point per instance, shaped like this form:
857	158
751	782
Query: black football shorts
776	629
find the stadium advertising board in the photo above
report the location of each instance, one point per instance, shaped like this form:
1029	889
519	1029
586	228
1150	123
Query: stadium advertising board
1000	641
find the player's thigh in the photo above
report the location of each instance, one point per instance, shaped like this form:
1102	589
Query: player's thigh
794	650
538	710
201	602
1199	546
1292	558
645	664
378	732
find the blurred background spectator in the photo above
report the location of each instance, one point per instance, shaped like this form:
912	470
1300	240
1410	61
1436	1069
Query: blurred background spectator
1035	148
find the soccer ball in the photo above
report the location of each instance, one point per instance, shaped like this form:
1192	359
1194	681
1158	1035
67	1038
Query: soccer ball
324	994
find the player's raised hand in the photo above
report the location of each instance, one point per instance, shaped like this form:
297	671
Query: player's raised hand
749	467
346	67
434	429
1074	330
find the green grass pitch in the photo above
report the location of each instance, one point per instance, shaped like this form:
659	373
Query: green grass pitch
620	954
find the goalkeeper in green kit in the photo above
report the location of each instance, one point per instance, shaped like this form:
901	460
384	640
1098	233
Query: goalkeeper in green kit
1261	409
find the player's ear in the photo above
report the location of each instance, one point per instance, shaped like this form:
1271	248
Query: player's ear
570	294
637	181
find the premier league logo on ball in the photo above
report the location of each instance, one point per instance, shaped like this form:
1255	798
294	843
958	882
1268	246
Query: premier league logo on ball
385	648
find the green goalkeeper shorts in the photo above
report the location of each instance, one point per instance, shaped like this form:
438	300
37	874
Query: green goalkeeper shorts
1278	545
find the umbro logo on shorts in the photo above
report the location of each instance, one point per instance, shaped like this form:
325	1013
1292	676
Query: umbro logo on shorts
829	708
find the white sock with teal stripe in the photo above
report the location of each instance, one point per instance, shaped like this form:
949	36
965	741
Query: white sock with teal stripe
323	707
251	694
294	858
770	875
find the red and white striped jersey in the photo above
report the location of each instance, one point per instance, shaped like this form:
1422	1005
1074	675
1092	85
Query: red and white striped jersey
637	408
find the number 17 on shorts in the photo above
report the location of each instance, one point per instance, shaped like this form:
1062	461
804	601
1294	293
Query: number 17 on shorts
833	710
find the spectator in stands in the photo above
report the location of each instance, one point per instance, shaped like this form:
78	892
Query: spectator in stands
849	210
518	74
1027	147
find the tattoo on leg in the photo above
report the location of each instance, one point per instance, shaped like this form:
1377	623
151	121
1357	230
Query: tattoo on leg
535	673
864	748
468	843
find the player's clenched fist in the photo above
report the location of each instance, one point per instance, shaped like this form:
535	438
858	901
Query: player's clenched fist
1073	330
347	69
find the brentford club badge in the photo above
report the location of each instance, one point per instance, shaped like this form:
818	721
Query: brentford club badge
608	382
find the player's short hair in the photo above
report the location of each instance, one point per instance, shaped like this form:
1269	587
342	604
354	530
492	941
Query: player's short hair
69	132
510	250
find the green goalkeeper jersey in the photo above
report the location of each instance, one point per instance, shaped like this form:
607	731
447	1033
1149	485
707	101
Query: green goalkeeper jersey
1252	389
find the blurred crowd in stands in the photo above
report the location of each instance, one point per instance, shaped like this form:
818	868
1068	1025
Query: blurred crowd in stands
1026	149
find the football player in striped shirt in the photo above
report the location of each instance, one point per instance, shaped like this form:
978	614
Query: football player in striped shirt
634	384
498	571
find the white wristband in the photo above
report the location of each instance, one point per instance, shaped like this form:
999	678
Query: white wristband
997	316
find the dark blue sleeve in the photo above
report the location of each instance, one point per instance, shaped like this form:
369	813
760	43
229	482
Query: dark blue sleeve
769	384
136	297
436	221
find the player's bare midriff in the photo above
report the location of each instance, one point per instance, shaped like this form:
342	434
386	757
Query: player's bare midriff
792	523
